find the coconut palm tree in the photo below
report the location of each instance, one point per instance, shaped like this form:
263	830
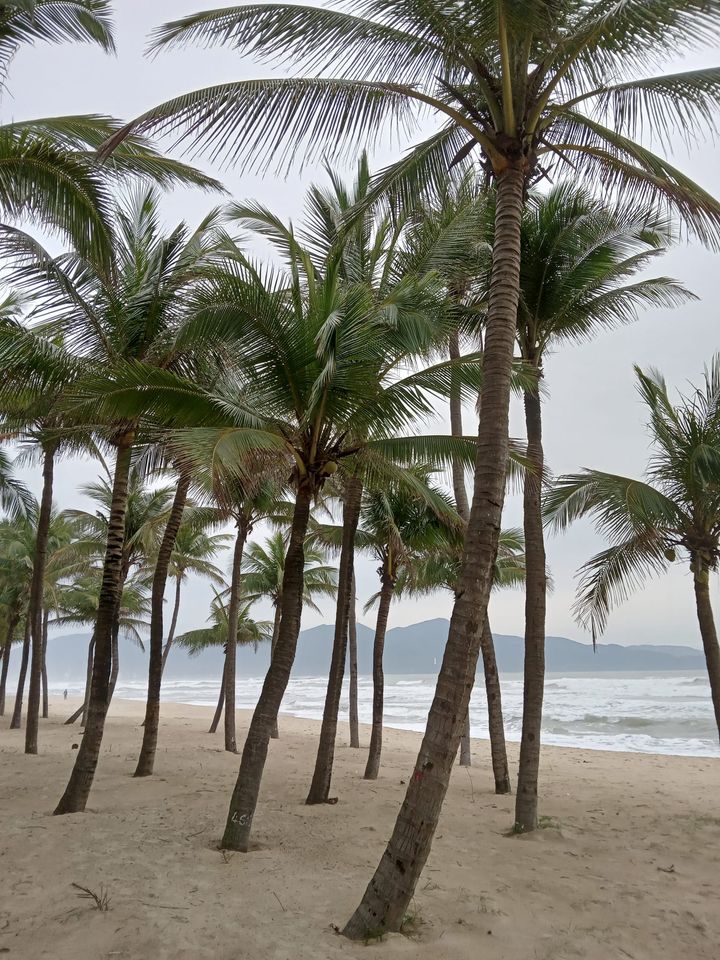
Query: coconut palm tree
264	575
673	515
439	569
535	88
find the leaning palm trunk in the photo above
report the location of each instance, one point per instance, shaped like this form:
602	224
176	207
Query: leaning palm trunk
77	791
526	803
173	622
220	704
245	795
231	645
701	581
391	889
461	501
82	709
496	728
146	760
45	700
35	612
17	708
353	657
320	786
386	593
275	733
7	649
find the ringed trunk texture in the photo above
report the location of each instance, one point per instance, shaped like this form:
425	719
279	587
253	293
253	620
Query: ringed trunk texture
35	612
247	788
16	718
74	799
320	786
173	622
220	705
701	580
353	656
496	727
45	700
390	890
372	767
275	732
146	760
7	650
526	801
461	500
115	648
231	646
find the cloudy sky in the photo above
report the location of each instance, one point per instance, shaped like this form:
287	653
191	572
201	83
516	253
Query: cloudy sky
592	415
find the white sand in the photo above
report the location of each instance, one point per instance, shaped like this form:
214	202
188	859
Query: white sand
629	868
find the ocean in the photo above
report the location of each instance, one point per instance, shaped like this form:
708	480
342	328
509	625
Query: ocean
667	713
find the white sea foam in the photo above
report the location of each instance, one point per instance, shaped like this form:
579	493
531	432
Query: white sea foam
668	713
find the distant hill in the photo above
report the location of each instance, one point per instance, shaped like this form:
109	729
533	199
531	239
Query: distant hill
414	649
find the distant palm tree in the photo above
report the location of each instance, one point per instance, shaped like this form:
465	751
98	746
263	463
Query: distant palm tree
675	514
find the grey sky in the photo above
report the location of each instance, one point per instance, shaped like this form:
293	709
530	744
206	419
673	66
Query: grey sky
592	415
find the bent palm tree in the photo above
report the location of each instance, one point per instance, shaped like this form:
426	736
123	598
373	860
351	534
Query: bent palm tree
650	524
537	87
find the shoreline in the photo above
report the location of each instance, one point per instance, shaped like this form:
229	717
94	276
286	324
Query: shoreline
626	865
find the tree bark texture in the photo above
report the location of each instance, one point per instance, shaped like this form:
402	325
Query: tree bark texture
173	622
16	719
252	764
146	760
526	801
13	620
231	646
353	657
391	888
35	612
322	776
387	588
706	621
45	699
275	732
220	705
74	799
496	727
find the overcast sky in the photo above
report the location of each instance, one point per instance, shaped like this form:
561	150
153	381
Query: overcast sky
592	415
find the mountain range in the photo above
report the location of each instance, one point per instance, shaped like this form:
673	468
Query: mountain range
415	649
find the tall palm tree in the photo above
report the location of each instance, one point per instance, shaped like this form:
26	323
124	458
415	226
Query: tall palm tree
440	569
582	261
674	514
264	576
536	88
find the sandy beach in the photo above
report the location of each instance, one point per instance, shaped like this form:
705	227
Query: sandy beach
626	865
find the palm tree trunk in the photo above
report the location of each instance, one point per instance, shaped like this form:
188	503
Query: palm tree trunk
115	649
390	890
701	579
220	704
254	755
16	718
173	622
526	802
77	791
7	649
45	700
146	760
82	710
35	612
275	732
243	529
386	593
496	728
461	500
353	655
320	786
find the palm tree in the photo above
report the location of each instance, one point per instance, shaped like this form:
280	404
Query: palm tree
248	631
440	569
132	314
537	87
398	527
264	575
650	524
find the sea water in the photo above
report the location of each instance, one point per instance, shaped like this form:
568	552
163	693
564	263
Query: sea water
669	713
